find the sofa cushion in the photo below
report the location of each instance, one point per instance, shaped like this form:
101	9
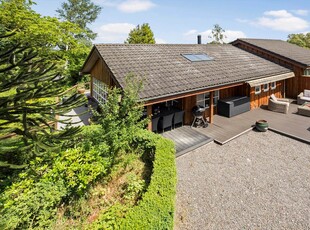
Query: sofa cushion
305	98
273	97
306	93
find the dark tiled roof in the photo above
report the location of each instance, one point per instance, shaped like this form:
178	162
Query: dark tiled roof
282	48
166	72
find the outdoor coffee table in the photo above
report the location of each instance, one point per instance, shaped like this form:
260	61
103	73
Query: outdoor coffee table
304	109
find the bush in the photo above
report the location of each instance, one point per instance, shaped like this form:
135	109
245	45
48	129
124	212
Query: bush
156	209
32	203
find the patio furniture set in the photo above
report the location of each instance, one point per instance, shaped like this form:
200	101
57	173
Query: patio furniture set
282	105
167	118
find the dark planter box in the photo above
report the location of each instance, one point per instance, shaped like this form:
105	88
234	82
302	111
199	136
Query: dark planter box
233	106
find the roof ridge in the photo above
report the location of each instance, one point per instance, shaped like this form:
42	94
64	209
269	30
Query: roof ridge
167	44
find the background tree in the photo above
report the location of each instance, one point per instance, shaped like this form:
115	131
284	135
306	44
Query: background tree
302	40
47	34
81	13
217	35
141	35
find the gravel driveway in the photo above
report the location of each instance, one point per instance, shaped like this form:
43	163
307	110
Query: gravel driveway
257	181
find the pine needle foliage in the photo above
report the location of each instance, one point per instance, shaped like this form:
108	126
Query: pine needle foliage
29	85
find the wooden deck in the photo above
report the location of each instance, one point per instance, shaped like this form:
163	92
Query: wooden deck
292	124
186	139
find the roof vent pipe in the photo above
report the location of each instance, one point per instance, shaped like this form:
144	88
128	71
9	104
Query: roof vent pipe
198	39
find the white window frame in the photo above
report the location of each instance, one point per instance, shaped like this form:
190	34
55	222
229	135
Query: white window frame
266	89
273	85
258	91
100	91
307	72
204	101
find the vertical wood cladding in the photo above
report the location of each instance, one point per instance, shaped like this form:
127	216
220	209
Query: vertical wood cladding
101	72
258	100
293	85
188	104
242	90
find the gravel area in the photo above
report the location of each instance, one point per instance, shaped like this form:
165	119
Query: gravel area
257	181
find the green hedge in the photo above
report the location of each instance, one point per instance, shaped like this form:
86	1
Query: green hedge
156	209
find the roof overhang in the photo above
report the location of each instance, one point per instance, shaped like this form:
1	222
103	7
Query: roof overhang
90	61
268	80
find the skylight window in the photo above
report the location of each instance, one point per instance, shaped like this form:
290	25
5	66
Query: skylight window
197	57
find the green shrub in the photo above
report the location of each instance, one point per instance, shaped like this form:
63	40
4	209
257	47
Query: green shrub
30	205
78	169
33	204
156	209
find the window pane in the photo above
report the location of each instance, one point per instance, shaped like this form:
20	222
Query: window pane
200	97
207	103
215	100
201	103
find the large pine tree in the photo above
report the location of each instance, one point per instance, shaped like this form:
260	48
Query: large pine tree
29	85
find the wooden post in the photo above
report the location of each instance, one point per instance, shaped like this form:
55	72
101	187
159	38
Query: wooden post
211	107
149	114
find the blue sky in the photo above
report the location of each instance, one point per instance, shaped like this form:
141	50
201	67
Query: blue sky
181	21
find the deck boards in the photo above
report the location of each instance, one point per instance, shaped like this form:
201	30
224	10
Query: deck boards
225	129
292	124
186	139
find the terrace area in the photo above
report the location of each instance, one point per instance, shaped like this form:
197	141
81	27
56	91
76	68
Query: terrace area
226	129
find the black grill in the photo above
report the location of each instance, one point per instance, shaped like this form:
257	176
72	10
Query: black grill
198	110
199	120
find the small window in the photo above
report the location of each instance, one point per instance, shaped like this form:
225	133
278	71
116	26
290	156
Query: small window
307	72
204	99
266	87
273	85
258	89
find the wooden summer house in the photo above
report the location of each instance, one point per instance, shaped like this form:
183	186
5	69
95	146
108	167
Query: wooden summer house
285	54
186	75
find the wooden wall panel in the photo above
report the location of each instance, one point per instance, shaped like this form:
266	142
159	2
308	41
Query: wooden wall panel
188	104
293	85
304	83
262	98
101	72
242	90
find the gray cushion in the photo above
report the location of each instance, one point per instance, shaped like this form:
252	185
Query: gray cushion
306	93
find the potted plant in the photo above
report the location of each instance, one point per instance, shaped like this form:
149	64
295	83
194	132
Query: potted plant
261	125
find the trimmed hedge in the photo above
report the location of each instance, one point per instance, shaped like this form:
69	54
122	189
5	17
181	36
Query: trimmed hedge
156	209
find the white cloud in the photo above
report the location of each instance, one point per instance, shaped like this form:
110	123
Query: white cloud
113	32
132	6
278	13
281	20
301	12
230	35
160	41
107	3
191	32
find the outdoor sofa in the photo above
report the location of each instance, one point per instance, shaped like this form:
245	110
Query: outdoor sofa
303	97
233	106
279	105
